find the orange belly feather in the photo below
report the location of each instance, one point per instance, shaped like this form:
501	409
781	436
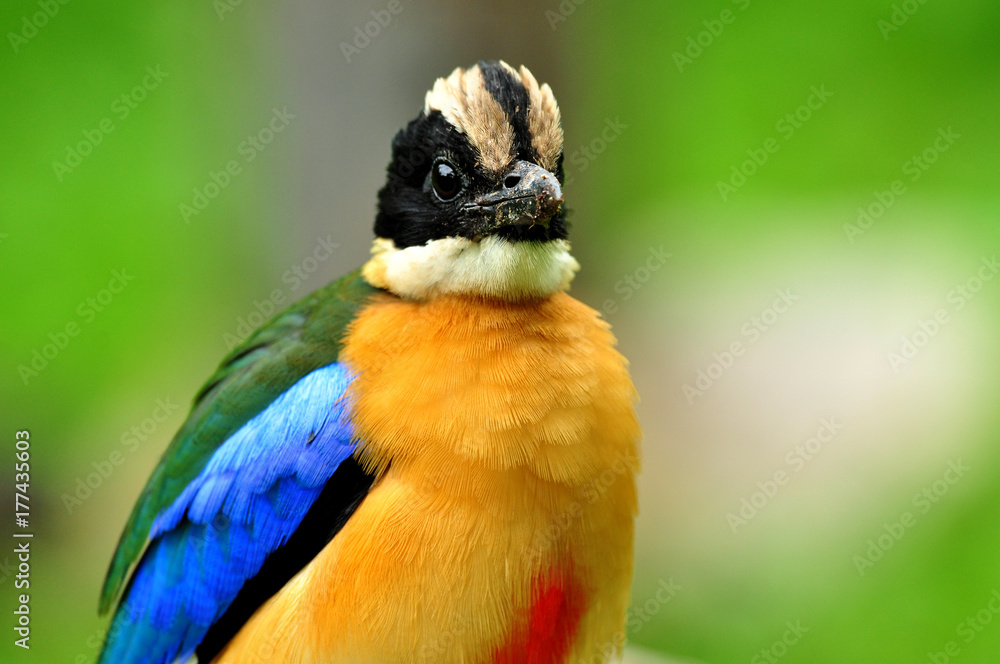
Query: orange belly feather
500	526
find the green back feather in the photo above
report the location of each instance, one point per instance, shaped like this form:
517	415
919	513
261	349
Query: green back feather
306	336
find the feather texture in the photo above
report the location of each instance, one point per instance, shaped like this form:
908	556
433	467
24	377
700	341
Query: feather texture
301	339
504	438
246	502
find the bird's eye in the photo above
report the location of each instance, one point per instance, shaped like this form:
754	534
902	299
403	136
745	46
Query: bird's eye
445	179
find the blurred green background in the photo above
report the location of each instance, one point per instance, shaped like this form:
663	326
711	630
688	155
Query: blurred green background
662	102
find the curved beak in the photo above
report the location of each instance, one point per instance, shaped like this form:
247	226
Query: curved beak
529	195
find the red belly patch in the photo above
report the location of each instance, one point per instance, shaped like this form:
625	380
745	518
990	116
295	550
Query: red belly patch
546	636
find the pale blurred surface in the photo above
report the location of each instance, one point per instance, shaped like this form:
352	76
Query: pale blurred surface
634	655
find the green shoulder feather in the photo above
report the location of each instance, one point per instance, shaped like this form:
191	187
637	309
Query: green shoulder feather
306	336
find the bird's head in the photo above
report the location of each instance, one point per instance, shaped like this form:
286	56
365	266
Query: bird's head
473	203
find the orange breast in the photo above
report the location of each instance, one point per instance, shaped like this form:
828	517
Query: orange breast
504	438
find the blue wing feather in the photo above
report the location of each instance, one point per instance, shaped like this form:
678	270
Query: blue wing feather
247	501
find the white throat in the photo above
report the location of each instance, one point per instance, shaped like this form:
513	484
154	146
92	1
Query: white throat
492	267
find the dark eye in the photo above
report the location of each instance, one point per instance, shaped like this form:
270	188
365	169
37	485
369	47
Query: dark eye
445	179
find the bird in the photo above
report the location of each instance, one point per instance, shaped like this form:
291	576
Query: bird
430	459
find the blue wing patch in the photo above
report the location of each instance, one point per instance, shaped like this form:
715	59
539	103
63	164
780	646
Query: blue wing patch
248	500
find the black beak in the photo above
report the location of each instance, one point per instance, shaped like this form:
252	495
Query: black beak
529	196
